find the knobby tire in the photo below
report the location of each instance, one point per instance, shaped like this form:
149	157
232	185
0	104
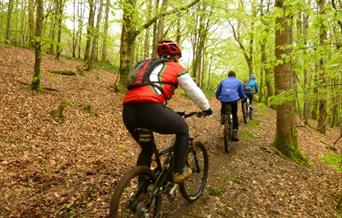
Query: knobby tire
127	187
192	188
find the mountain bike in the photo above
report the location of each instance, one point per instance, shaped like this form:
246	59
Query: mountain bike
247	110
228	126
139	192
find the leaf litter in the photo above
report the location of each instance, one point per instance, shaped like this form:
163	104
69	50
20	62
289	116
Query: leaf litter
70	168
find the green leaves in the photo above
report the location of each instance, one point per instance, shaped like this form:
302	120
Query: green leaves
282	98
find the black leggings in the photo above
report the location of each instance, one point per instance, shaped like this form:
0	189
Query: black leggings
233	104
160	119
250	96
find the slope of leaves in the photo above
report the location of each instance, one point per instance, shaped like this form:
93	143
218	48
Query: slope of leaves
70	167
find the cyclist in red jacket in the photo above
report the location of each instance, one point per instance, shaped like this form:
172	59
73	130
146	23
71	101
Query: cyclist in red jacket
144	106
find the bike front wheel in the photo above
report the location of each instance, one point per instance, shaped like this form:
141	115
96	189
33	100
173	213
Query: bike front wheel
132	198
192	188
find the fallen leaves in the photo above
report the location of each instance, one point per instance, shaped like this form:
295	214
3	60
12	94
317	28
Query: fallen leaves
70	168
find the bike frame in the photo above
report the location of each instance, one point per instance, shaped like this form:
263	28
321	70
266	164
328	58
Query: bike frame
163	170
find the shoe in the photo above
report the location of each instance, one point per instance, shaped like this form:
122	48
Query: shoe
222	119
235	135
181	177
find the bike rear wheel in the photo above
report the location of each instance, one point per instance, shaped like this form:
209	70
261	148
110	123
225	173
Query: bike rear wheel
127	200
244	112
250	111
226	134
192	188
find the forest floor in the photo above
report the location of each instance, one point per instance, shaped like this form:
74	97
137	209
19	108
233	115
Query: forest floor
68	166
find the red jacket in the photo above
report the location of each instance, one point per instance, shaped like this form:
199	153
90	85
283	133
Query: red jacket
166	72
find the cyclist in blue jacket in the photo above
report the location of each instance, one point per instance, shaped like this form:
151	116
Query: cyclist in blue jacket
230	91
251	88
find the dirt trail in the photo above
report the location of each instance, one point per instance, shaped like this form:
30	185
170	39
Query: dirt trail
253	181
64	169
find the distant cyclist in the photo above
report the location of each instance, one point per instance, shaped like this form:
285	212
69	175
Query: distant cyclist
251	87
230	91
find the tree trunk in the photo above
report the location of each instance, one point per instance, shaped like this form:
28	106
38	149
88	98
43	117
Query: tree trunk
128	36
74	37
60	9
8	23
94	50
80	15
52	27
178	31
155	32
35	85
322	120
105	34
286	133
31	22
315	94
160	30
306	92
23	23
90	29
147	31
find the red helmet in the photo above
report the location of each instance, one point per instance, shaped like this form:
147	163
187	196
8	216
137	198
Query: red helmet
168	47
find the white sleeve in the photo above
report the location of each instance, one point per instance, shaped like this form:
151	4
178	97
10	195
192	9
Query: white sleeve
193	91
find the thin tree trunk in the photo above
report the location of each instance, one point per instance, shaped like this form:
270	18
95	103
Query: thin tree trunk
23	22
94	50
147	30
161	21
74	37
52	27
178	31
80	15
60	9
306	93
315	94
35	85
31	22
9	19
155	31
90	29
105	34
322	120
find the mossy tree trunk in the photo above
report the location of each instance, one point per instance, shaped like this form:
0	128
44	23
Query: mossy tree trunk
35	85
286	133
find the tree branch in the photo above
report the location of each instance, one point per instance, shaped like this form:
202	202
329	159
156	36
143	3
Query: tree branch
155	18
239	42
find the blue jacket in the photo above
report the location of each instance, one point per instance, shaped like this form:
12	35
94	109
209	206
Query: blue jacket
230	90
252	87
